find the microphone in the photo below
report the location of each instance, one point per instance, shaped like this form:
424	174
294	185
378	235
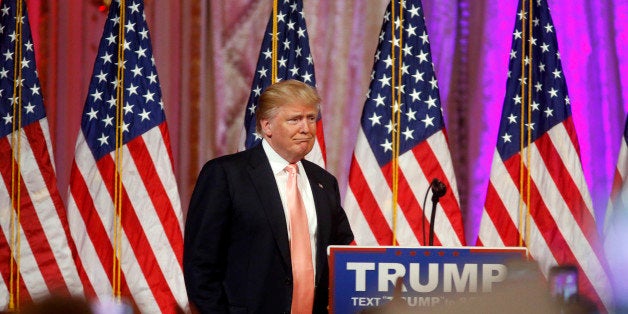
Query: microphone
438	190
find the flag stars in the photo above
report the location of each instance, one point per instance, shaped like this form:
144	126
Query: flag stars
280	17
375	119
8	55
517	99
538	86
544	47
567	101
301	32
522	15
506	137
108	120
125	127
134	7
422	56
97	95
407	50
4	73
418	76
286	44
144	33
92	114
385	80
388	61
548	112
416	95
556	73
553	92
411	30
103	139
549	28
434	83
129	27
128	108
282	62
262	72
111	39
535	21
257	91
144	114
513	54
8	119
424	38
140	52
379	100
387	145
148	96
132	89
541	67
115	20
390	127
35	90
102	77
535	106
408	133
517	34
112	101
5	10
414	11
106	58
137	71
411	115
428	121
29	46
431	102
30	108
252	109
512	119
307	77
294	71
152	78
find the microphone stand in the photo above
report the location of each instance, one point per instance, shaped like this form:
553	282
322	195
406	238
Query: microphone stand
438	190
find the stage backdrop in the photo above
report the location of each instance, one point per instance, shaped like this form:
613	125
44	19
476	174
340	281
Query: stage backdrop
206	52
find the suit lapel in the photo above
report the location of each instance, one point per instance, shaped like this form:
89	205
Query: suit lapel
263	179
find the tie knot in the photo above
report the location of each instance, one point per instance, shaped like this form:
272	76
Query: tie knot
292	169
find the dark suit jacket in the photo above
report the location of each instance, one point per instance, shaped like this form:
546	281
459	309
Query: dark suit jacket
236	252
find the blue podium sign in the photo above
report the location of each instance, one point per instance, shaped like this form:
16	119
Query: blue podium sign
364	277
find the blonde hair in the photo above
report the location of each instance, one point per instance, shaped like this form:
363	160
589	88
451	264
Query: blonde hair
282	93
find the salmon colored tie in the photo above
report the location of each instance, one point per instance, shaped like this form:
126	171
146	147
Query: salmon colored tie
300	248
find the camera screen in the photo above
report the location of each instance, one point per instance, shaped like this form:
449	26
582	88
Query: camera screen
564	282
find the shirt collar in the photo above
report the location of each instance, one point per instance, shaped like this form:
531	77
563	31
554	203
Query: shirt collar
277	163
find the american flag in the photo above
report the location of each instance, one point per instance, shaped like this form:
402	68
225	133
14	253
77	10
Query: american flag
423	153
616	221
545	177
36	258
293	61
151	239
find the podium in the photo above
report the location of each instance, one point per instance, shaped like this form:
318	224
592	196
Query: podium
364	277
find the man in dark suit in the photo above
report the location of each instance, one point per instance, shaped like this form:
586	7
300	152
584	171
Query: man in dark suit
237	251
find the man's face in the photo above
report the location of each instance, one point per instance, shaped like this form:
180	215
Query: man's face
292	131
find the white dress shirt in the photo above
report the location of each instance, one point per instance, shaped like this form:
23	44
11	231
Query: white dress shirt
278	165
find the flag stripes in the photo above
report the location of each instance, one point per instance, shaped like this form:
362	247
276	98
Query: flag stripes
162	263
45	258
